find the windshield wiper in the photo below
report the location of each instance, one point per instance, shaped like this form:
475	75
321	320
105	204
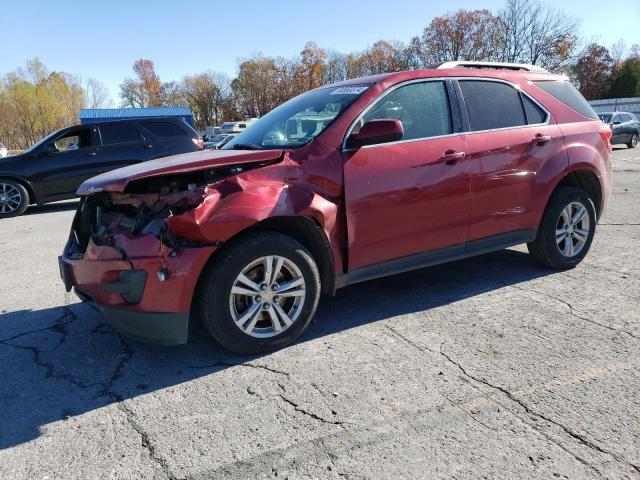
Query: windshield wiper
247	146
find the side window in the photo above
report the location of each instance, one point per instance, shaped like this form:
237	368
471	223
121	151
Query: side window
164	129
74	140
625	118
535	114
492	105
423	109
119	133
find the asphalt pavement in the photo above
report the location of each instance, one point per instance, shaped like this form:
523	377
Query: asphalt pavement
492	367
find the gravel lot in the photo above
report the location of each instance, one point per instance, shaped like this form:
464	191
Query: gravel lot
489	367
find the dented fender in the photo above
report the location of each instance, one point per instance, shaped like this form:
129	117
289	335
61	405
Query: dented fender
237	204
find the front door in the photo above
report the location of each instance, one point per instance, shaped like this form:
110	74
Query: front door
409	196
73	160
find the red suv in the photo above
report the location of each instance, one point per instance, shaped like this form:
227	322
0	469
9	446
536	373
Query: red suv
349	182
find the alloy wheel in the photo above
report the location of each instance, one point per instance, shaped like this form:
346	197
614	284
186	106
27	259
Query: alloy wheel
572	229
10	198
267	296
634	141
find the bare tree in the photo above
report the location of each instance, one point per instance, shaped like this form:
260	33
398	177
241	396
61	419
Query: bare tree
531	32
96	94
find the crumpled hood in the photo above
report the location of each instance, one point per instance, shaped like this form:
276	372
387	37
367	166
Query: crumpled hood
117	180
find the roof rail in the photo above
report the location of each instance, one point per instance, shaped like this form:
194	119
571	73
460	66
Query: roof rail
508	66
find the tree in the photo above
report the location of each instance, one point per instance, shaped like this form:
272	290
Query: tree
146	90
626	80
461	35
35	101
310	72
532	33
593	72
206	95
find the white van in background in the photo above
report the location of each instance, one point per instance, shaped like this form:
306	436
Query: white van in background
236	127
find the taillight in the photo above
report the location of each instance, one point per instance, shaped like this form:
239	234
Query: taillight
606	134
198	143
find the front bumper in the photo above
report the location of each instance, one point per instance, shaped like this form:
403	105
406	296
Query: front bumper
127	289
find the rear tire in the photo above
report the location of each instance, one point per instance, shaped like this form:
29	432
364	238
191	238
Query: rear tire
634	141
14	198
566	231
246	299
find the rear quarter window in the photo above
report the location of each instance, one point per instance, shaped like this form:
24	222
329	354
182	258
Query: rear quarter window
564	91
164	129
535	114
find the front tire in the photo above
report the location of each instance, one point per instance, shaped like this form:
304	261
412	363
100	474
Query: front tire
566	231
634	141
14	198
259	293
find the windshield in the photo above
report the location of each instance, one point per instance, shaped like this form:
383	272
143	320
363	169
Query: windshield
605	117
298	121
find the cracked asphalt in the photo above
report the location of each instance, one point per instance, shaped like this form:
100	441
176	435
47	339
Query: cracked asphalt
491	367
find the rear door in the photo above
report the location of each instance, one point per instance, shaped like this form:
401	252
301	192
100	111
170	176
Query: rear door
122	144
510	141
410	196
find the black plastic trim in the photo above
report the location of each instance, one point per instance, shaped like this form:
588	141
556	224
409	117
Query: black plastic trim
436	257
150	327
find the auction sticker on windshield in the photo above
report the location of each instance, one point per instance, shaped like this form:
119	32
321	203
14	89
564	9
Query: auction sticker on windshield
350	90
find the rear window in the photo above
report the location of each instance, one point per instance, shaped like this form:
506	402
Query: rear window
564	91
119	133
164	129
492	105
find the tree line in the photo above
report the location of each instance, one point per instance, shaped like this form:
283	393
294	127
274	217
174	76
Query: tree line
523	31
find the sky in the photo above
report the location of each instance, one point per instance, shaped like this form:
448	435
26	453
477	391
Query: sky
102	39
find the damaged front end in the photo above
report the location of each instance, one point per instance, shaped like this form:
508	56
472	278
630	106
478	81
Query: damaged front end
123	257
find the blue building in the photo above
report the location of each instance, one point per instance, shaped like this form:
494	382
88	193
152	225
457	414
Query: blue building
92	115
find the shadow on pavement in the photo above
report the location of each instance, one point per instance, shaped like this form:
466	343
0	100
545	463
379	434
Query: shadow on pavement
65	361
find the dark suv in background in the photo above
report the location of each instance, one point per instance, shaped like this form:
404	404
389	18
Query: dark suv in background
53	168
625	127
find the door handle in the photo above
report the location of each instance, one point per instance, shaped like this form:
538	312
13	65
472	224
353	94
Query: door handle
540	139
450	157
91	154
147	147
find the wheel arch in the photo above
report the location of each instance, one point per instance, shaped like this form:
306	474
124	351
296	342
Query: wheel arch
304	229
586	179
25	183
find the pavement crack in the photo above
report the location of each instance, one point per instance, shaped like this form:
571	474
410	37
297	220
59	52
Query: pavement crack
145	441
298	408
65	318
576	436
123	358
59	326
572	310
404	338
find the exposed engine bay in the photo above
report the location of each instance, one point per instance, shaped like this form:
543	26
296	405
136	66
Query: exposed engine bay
145	205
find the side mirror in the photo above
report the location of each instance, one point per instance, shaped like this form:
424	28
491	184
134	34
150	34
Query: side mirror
376	131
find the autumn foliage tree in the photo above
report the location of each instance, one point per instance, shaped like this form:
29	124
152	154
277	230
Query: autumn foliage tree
461	35
592	72
35	101
143	91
